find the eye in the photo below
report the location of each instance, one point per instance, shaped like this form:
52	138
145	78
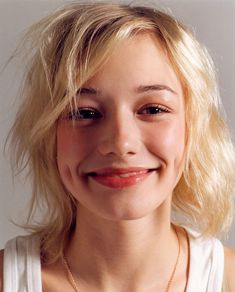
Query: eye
153	110
84	114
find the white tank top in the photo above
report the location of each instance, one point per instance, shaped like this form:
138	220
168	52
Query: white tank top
22	267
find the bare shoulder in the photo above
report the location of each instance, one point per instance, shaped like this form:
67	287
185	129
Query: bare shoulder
1	270
229	265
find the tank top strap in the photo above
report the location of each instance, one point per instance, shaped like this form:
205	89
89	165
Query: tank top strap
22	267
206	268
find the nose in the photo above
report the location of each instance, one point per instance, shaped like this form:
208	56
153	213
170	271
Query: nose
121	136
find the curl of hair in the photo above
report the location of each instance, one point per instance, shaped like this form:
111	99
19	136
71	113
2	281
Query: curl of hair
64	50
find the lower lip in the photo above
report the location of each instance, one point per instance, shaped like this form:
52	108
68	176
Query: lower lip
120	182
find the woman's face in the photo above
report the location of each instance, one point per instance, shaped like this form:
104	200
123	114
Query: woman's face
120	152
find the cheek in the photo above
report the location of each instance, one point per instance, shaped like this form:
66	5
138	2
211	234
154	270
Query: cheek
65	144
167	140
72	149
71	143
72	146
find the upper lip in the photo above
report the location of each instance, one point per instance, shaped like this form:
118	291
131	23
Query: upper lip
120	170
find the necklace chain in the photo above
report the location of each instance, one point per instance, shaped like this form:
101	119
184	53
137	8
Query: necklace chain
69	273
176	263
74	284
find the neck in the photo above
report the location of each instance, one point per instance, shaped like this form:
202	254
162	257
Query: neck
129	252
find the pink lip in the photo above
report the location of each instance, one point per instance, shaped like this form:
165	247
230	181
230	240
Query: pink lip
120	177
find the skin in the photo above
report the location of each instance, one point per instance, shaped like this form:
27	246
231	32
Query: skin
130	226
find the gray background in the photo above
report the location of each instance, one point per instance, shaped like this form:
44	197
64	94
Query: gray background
214	24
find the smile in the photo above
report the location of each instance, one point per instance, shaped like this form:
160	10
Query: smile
120	178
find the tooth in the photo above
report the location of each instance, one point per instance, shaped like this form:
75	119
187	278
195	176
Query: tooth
128	174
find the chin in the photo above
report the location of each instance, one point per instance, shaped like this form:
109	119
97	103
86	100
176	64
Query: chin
128	216
119	212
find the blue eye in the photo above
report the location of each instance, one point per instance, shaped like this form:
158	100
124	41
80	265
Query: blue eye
84	114
153	110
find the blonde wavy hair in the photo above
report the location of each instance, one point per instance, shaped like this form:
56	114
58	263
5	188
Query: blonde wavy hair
67	48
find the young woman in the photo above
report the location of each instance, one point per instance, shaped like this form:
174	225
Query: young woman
119	126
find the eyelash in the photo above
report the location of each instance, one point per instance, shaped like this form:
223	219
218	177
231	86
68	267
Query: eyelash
159	108
76	114
94	114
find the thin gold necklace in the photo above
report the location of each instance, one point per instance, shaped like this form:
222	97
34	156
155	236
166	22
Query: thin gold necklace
74	284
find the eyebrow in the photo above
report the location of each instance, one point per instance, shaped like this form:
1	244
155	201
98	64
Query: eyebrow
154	87
88	90
139	89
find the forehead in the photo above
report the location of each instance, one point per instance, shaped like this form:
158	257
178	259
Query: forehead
138	60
